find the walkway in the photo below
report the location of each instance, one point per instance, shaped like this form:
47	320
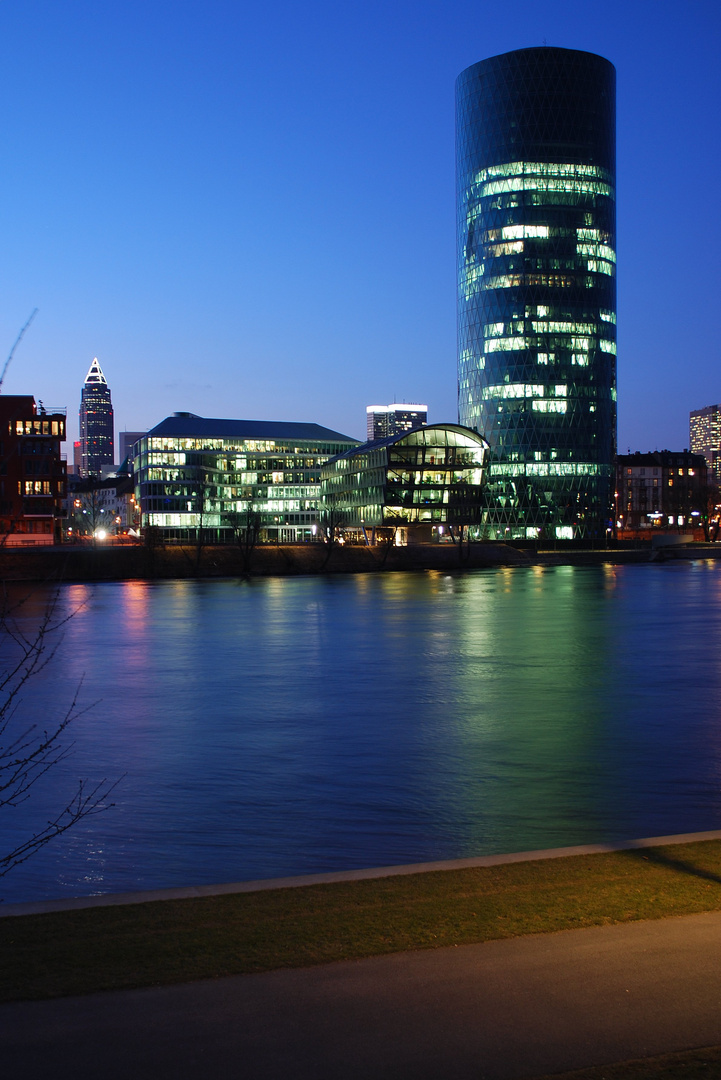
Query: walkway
505	1009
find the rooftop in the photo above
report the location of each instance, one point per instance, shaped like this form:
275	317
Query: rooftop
188	425
427	431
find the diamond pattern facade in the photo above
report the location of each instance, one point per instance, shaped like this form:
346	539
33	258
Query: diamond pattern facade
536	240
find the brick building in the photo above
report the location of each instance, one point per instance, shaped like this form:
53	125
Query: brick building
32	472
663	490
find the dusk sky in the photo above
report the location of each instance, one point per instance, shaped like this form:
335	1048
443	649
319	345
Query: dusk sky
248	211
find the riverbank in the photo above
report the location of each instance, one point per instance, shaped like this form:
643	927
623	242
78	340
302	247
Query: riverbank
162	942
136	562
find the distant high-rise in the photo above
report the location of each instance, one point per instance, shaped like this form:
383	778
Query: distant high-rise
385	420
536	233
126	442
97	432
705	437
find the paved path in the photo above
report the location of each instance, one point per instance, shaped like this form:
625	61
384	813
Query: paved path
504	1009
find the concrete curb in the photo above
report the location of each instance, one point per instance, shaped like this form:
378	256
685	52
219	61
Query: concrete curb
42	907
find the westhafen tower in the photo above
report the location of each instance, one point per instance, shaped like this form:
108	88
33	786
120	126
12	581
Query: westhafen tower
536	229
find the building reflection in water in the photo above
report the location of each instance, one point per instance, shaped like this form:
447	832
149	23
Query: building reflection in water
283	726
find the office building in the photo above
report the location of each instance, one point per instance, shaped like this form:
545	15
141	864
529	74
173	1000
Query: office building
77	465
383	421
126	442
409	486
97	432
217	476
32	472
705	438
536	242
661	490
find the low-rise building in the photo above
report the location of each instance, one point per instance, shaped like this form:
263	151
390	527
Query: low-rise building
412	486
204	478
32	472
661	490
102	508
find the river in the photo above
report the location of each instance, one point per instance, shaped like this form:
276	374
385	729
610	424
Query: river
291	725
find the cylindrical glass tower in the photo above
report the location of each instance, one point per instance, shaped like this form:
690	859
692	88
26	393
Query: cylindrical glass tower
536	185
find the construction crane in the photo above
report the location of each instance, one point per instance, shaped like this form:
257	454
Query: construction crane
17	342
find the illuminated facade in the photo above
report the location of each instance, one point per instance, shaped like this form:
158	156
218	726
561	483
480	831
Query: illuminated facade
97	429
426	479
536	238
32	472
382	421
219	476
705	437
663	490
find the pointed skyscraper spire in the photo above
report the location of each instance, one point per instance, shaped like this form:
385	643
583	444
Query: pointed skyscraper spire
95	374
97	433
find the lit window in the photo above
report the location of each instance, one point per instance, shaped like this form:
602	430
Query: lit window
493	329
505	344
515	232
513	390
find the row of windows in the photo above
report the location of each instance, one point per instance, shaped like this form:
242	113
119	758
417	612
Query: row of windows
553	468
36	487
519	343
642	472
541	168
38	427
546	319
242	446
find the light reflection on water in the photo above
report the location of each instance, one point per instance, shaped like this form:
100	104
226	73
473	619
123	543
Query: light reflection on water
284	726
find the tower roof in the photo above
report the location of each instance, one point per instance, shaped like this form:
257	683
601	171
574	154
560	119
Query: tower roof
95	374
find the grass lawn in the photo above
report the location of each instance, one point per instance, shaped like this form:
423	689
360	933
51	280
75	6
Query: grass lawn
692	1065
168	941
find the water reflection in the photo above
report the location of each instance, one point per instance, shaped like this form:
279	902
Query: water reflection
284	726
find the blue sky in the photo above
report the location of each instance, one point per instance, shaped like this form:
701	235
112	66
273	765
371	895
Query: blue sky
248	210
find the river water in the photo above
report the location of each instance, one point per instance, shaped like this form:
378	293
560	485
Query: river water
285	726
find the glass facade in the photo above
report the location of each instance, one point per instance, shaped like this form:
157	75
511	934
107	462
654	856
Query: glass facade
97	428
219	476
705	437
432	476
536	242
382	421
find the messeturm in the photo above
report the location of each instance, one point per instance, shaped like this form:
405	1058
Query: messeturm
536	234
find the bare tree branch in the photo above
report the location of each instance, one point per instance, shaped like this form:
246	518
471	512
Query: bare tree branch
28	751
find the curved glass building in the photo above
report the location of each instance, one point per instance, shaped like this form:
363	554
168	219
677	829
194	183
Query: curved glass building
423	481
536	231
